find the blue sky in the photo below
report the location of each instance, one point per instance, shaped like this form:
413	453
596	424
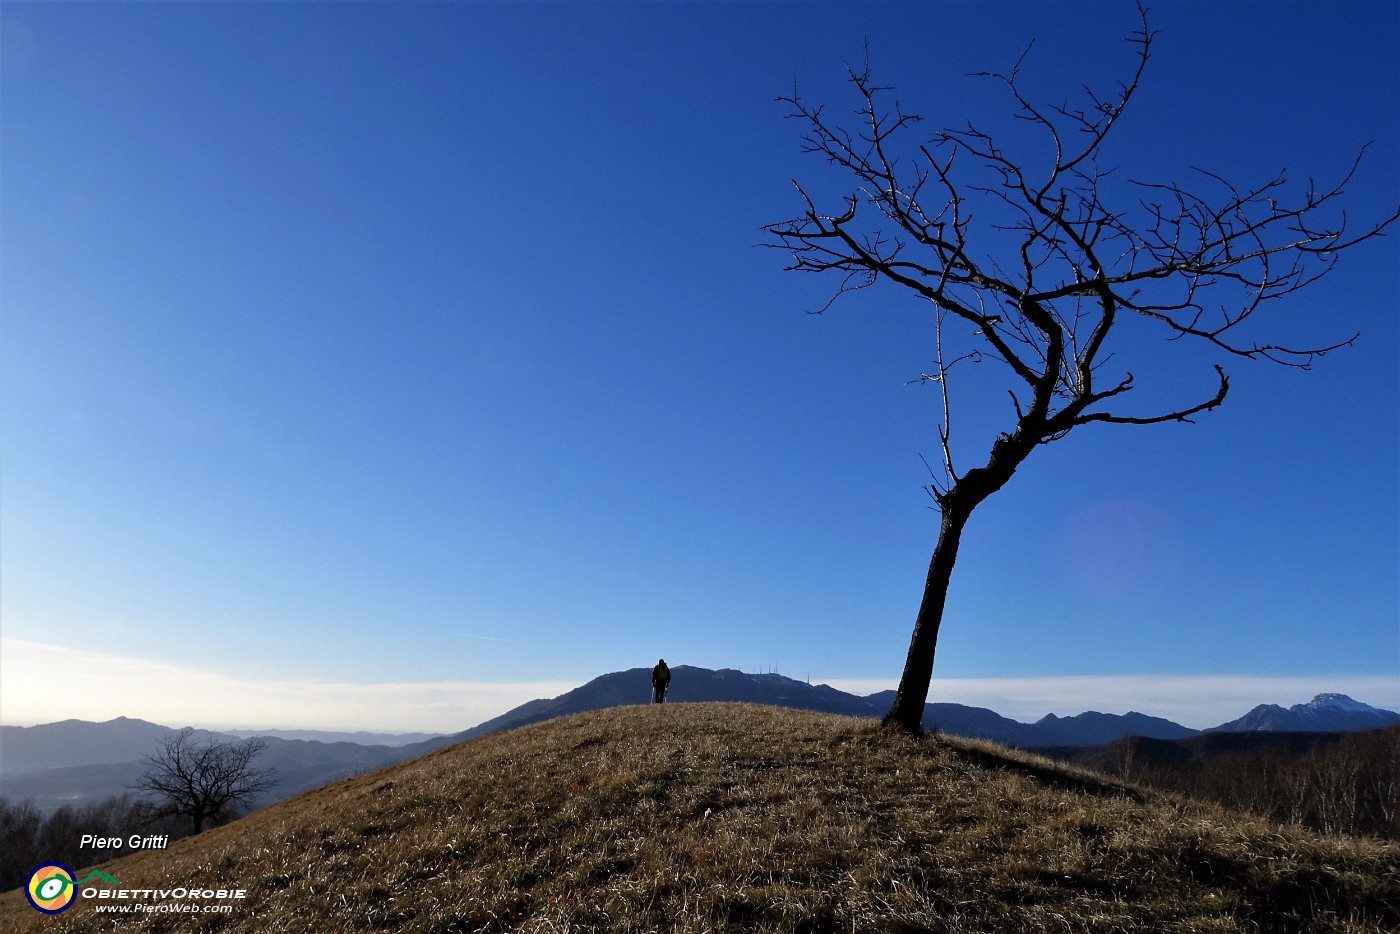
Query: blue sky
424	344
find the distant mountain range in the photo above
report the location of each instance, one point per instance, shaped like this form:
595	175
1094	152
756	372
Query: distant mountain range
1325	713
688	684
362	737
74	761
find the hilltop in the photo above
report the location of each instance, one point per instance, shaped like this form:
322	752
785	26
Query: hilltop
1325	712
75	763
713	817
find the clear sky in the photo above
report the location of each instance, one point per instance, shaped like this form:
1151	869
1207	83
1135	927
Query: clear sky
352	351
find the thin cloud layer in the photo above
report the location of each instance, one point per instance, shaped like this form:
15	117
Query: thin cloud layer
41	683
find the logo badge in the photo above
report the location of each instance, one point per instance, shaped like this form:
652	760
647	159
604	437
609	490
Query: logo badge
50	888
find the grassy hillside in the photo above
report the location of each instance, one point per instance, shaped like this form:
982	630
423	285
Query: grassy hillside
714	817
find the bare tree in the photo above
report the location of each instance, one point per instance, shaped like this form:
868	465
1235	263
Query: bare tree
204	779
19	851
1058	256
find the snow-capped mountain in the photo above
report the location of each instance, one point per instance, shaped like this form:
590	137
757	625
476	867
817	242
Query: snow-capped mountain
1325	713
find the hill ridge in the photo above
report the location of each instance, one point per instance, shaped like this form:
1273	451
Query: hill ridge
710	817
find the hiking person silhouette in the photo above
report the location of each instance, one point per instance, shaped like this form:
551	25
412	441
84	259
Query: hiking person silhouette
660	680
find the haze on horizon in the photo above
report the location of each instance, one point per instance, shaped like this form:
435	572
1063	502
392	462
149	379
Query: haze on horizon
404	363
175	696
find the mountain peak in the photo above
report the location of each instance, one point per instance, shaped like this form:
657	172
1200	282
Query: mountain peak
1335	702
1325	713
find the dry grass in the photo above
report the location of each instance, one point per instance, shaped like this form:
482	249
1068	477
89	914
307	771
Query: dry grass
728	817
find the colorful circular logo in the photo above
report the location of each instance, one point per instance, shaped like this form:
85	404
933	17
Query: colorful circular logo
50	888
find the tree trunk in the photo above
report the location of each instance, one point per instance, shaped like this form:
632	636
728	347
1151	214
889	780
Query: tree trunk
907	712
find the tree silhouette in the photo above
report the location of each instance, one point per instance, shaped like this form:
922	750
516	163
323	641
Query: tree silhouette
1059	254
203	779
